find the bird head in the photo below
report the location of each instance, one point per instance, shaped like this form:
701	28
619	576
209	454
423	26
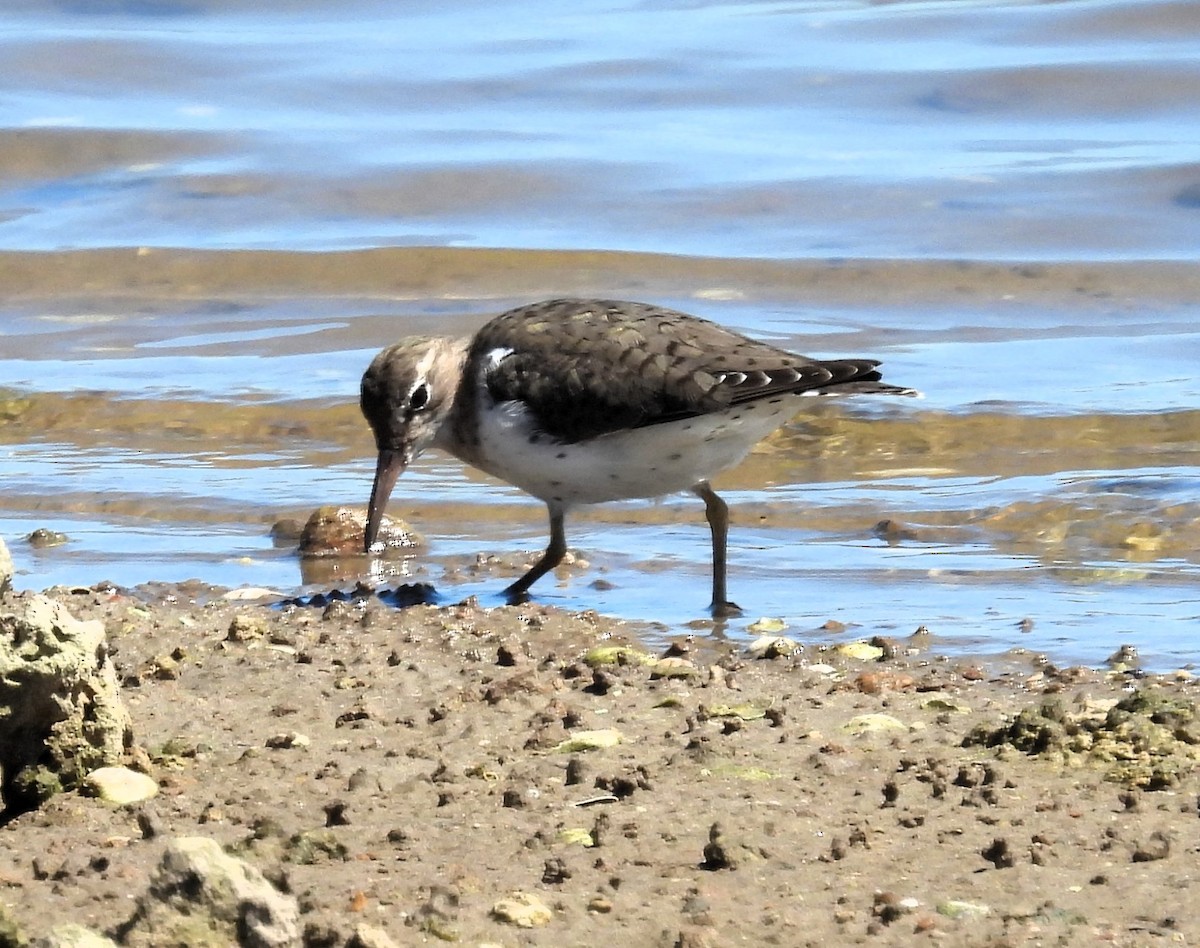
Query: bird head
407	393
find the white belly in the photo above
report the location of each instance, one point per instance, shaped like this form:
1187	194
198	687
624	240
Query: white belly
642	462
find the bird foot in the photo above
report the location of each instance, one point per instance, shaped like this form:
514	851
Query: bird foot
725	610
516	594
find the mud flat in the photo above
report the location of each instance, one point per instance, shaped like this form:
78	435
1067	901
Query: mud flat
526	776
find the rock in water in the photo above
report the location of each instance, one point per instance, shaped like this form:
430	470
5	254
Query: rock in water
61	714
338	531
200	896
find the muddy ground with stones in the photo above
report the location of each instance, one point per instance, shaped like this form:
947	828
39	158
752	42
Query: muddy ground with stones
524	776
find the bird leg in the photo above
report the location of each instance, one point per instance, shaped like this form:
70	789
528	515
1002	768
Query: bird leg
555	551
716	511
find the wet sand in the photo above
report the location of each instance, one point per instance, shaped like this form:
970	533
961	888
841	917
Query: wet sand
406	771
150	274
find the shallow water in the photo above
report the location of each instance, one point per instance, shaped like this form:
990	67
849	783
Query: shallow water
211	218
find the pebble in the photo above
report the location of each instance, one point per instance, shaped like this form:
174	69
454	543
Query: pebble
860	651
957	908
120	785
338	531
766	625
523	910
251	594
246	628
589	740
872	724
41	538
72	936
287	741
773	646
368	936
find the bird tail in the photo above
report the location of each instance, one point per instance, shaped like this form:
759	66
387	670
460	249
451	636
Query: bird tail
865	386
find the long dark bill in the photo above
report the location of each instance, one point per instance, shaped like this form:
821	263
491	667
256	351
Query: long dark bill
391	465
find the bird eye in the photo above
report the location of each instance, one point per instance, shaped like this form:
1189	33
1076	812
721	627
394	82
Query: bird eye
419	398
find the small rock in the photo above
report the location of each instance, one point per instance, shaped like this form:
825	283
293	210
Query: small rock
773	646
200	894
42	539
999	854
149	822
513	798
956	908
523	910
368	936
860	651
313	847
893	532
246	628
286	532
61	713
873	724
616	655
673	667
288	741
576	771
120	785
339	531
889	907
251	594
72	936
555	871
588	740
717	854
697	936
1126	656
576	836
1158	847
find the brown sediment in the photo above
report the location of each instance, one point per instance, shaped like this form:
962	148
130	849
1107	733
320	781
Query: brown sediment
413	770
133	273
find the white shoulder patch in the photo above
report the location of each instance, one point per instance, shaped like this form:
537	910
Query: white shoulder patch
493	358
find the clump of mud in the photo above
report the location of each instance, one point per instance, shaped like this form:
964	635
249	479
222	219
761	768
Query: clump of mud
1148	740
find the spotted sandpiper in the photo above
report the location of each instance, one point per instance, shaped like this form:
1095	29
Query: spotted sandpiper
581	401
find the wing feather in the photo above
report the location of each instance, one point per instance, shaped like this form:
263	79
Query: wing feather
585	368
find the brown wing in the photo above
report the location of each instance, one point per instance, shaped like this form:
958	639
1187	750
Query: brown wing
588	367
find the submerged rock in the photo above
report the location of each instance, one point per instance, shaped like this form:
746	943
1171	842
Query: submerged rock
42	538
61	714
339	531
